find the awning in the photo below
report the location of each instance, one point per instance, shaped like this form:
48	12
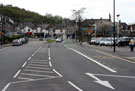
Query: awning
29	33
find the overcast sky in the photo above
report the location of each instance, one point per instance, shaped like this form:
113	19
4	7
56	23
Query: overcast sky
94	8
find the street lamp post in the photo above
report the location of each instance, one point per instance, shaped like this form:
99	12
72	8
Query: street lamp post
78	16
114	23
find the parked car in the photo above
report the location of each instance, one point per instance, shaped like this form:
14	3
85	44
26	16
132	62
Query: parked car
98	41
23	41
59	40
102	41
109	42
123	41
40	39
93	40
16	42
26	39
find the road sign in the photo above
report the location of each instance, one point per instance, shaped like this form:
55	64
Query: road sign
90	31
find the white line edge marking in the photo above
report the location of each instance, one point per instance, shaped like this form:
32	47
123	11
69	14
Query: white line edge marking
29	58
50	63
17	73
33	55
57	73
37	67
24	64
74	86
31	64
39	71
118	76
49	58
36	75
92	60
6	87
25	78
32	80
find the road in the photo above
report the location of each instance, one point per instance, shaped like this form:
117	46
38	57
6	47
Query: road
40	66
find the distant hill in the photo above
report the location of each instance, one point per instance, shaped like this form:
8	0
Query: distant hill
22	15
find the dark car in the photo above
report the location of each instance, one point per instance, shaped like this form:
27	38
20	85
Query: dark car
23	41
123	42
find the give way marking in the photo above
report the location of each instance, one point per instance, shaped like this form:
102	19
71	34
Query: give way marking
106	83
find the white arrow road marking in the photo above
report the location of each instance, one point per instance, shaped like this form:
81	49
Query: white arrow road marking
104	83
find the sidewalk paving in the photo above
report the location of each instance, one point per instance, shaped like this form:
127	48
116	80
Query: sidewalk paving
123	52
5	45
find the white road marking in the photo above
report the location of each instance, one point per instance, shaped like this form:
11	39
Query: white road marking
57	73
17	73
37	65
49	52
50	63
25	78
24	64
6	87
39	62
39	71
29	58
36	75
118	76
35	52
92	60
33	55
49	58
33	80
74	86
103	83
38	68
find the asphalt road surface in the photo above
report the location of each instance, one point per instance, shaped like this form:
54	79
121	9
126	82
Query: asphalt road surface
40	66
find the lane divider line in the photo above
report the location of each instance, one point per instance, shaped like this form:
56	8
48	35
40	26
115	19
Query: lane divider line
6	87
74	86
33	55
49	58
24	64
50	63
17	73
92	60
57	73
29	58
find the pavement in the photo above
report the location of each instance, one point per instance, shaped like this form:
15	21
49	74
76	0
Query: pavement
5	45
123	52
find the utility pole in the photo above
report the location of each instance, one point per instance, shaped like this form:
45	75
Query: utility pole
2	26
114	23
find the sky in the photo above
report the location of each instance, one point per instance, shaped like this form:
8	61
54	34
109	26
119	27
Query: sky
93	8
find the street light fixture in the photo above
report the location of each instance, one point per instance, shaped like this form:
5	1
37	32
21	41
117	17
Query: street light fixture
118	31
78	16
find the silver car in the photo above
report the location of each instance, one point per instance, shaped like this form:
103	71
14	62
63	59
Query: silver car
16	42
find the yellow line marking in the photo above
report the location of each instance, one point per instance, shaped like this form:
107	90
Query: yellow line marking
114	56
